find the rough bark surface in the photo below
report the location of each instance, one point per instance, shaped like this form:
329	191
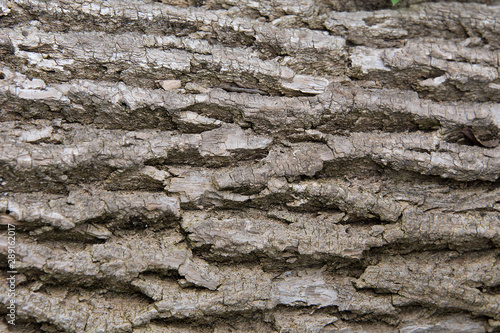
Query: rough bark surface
251	166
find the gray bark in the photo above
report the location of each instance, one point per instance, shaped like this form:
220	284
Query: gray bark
242	166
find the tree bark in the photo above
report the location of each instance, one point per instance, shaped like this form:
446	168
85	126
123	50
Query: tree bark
241	166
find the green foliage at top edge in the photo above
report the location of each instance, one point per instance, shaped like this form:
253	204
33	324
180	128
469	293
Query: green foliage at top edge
394	2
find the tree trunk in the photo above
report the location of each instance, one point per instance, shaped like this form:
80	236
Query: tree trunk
242	166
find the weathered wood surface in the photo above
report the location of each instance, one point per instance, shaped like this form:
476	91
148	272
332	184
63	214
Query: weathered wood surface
251	166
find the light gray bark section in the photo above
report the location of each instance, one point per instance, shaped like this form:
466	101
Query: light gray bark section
242	166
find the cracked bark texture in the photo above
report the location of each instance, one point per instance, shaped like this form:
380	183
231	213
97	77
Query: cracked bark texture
251	166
